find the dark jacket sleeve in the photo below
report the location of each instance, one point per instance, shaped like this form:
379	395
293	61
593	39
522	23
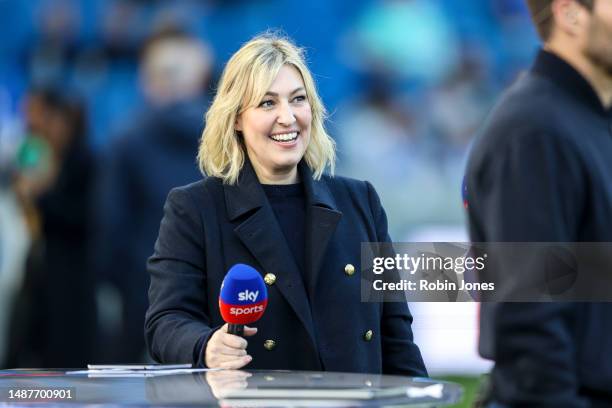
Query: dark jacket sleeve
400	355
176	323
529	191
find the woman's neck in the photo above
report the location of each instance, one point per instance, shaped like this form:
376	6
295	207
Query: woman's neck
265	176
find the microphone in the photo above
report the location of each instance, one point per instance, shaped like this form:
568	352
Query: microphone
243	298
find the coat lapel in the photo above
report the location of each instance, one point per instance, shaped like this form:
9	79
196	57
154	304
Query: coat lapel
263	237
322	217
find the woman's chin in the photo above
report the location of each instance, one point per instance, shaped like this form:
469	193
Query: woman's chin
285	167
289	162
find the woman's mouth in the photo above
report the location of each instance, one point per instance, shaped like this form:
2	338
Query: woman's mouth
285	138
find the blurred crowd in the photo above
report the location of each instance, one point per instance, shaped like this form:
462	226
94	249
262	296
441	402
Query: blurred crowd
102	104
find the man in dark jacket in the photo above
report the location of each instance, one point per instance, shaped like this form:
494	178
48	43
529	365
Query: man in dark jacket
153	155
541	171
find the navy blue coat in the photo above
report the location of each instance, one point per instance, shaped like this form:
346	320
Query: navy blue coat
208	227
541	171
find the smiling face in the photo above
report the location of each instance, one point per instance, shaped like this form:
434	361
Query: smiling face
277	132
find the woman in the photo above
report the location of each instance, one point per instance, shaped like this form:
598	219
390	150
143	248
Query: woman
267	203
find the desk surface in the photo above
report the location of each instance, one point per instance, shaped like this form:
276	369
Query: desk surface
250	388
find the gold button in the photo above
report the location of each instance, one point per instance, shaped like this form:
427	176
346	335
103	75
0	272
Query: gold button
367	336
269	344
270	278
349	269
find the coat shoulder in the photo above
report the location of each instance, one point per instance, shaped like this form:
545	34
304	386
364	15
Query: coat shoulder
347	184
360	193
529	108
197	188
197	195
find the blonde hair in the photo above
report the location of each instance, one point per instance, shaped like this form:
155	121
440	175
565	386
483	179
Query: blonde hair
246	78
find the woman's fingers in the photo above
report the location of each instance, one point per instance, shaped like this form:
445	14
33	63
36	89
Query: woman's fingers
219	360
228	351
236	363
219	349
233	341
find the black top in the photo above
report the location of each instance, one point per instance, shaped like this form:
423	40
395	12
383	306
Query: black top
541	171
288	204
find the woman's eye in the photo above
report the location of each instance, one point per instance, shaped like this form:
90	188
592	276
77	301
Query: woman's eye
299	98
266	104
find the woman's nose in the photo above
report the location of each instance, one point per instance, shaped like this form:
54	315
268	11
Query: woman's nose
285	115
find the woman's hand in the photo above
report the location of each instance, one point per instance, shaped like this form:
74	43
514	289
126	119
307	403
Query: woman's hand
228	351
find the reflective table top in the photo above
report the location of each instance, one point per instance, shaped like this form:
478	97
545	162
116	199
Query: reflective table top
251	388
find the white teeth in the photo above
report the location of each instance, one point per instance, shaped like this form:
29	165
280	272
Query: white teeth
285	137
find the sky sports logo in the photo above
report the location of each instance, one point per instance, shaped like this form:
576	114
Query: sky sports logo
246	310
249	295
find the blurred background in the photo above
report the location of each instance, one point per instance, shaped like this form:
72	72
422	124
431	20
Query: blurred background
101	108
